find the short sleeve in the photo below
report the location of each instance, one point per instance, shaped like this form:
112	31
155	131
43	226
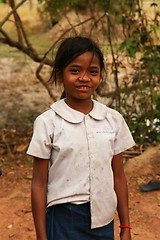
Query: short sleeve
123	138
41	142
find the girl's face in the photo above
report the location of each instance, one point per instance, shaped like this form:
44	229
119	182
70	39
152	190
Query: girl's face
81	77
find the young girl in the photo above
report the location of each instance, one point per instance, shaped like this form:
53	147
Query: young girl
78	177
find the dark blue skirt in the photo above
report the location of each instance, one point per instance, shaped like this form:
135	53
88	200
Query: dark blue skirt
73	222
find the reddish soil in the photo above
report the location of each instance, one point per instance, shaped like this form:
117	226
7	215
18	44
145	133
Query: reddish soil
15	211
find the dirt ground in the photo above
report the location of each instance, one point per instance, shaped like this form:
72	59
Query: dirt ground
22	98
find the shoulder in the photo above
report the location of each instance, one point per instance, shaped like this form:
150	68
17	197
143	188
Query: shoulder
106	112
112	116
51	112
114	113
45	120
46	116
116	119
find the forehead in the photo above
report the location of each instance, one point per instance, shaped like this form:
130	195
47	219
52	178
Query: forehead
87	58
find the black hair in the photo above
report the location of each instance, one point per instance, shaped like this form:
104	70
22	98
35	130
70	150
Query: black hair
69	49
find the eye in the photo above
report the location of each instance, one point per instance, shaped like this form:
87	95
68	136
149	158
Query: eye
74	70
94	72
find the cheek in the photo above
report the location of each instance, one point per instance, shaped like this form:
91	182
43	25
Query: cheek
98	82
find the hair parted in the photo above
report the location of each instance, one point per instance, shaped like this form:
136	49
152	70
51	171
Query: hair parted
69	49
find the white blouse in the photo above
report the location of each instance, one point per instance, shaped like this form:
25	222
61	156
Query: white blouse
80	148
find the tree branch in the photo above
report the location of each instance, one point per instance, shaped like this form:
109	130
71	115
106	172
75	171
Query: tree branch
115	66
11	12
38	75
27	50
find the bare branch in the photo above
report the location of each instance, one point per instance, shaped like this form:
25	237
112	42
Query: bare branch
17	21
97	21
11	12
38	75
68	30
70	23
27	50
115	65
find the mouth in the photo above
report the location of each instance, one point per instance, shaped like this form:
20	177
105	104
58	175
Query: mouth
83	87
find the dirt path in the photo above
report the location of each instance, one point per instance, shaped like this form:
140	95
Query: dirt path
22	94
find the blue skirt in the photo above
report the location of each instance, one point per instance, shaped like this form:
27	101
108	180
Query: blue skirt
73	222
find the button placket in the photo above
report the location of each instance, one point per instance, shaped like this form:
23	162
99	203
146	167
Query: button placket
92	164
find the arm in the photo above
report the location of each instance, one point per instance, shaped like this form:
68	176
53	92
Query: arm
121	190
39	195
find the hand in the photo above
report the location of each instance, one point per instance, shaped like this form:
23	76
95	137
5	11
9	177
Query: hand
125	234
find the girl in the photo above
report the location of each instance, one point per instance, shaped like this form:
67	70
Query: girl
78	177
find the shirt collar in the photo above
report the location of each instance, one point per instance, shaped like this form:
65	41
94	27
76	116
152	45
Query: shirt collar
98	111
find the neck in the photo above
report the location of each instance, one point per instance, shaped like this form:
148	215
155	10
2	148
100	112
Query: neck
81	105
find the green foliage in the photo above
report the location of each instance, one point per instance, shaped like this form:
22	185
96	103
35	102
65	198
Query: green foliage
142	110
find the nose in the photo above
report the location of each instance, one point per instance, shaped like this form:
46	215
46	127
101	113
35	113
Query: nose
84	78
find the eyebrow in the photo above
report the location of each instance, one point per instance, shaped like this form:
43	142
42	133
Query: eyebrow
74	65
90	66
